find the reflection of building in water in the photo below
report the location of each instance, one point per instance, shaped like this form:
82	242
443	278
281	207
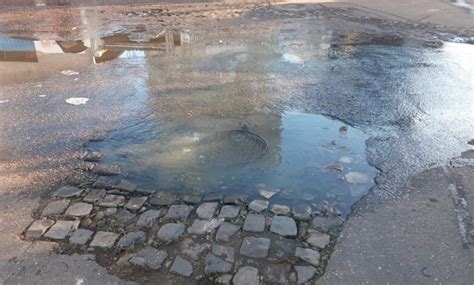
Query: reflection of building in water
27	59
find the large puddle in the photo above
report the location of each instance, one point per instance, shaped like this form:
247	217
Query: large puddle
244	114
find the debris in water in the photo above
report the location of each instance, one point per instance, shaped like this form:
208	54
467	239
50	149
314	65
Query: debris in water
335	166
292	58
69	72
356	177
343	130
345	159
42	95
4	101
77	100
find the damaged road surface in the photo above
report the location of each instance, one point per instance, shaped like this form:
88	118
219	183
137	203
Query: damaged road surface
236	143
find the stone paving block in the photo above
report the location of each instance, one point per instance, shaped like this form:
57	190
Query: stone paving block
302	212
308	255
268	193
226	231
182	267
318	239
206	210
276	273
149	217
68	191
305	273
214	264
132	238
246	275
224	252
255	247
93	156
80	236
111	200
229	211
202	227
170	231
55	208
191	199
95	196
149	257
178	212
325	223
280	209
104	239
107	169
135	203
38	228
284	226
258	205
105	182
163	198
61	229
79	209
254	223
126	186
193	249
235	199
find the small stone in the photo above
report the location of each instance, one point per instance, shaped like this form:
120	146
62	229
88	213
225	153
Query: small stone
335	166
308	255
61	229
132	239
255	247
206	210
149	217
202	227
149	257
104	239
224	252
68	191
163	199
280	210
355	177
178	212
284	226
214	264
104	182
326	223
126	186
191	199
93	156
79	209
124	217
258	205
95	196
229	212
226	231
305	273
246	275
38	228
268	193
318	239
55	208
276	273
254	223
111	200
80	236
193	250
170	231
135	203
302	212
107	170
182	267
235	199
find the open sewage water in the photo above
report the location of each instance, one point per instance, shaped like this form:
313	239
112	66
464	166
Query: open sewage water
286	111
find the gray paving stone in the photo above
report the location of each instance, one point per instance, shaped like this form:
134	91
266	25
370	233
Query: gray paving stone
224	252
246	275
302	212
213	198
111	200
105	182
254	223
191	199
202	227
226	231
280	210
258	205
206	210
107	169
325	223
318	239
80	236
61	229
182	267
55	208
95	196
104	239
229	211
214	264
124	217
68	191
170	231
38	228
93	156
235	199
163	198
149	217
192	249
268	193
132	238
308	255
284	226
255	247
276	273
305	273
126	186
283	249
79	209
178	212
135	203
149	257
